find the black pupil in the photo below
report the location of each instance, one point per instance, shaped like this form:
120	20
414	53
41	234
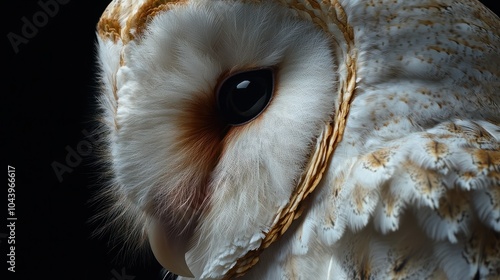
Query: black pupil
243	96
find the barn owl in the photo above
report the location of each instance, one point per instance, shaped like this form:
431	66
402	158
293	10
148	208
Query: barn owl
304	139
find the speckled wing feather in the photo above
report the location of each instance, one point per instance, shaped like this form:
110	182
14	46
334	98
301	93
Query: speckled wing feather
414	187
423	205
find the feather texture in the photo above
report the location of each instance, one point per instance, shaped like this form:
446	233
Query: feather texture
404	97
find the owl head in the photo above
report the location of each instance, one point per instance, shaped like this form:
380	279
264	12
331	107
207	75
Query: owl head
218	117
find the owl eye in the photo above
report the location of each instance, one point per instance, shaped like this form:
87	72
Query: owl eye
243	96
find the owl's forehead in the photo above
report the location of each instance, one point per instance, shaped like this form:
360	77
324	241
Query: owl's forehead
126	20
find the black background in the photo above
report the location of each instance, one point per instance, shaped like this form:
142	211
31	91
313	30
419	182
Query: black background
49	101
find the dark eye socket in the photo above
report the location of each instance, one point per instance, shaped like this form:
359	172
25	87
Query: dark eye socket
243	96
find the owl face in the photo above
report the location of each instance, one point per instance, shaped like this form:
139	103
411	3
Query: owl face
213	110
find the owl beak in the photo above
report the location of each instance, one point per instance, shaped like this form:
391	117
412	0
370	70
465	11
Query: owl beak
170	252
